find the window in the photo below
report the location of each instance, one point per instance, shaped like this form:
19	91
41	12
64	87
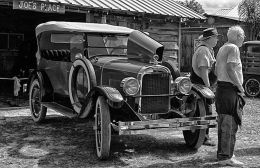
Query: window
10	41
255	49
4	41
107	45
66	38
15	41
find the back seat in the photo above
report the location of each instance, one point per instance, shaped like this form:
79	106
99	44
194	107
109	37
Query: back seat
56	55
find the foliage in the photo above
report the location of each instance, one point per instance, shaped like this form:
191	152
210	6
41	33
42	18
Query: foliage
194	5
249	12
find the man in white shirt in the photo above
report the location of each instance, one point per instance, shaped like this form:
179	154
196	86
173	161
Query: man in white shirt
229	86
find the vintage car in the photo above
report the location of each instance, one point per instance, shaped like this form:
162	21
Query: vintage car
116	76
251	67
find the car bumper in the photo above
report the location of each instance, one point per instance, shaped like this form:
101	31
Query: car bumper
193	123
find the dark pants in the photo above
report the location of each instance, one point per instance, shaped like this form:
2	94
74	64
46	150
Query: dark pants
226	106
227	129
208	106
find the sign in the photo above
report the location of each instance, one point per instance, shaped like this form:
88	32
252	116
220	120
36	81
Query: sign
39	6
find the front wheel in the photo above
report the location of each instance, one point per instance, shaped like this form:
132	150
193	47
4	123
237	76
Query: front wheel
195	138
102	128
38	111
252	87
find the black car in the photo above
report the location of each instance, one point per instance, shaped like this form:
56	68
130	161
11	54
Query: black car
251	67
117	76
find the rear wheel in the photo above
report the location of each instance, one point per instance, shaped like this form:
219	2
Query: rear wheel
38	111
252	87
102	128
195	138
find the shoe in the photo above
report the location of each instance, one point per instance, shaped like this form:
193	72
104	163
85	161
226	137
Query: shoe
208	142
231	162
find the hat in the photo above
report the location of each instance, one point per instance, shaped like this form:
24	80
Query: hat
207	33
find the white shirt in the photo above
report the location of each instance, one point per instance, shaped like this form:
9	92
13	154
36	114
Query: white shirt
228	53
203	56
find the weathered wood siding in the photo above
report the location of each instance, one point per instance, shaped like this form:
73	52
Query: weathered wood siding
162	29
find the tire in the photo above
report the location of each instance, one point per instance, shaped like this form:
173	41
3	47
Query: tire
38	111
103	128
252	87
86	66
195	138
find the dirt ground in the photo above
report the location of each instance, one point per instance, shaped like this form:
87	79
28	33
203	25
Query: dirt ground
64	143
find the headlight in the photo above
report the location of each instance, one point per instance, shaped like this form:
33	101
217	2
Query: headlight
183	84
130	86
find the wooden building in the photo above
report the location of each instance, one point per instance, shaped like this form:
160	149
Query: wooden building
161	19
192	29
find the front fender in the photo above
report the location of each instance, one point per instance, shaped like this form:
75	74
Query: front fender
203	91
112	95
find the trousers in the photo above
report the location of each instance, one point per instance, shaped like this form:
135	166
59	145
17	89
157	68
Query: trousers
227	129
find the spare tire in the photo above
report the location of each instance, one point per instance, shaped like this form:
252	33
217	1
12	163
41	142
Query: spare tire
171	65
82	79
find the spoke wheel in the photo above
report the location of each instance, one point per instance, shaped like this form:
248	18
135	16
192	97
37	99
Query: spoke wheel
252	87
38	111
102	128
195	138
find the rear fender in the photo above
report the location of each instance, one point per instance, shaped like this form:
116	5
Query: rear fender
46	87
112	95
203	91
32	76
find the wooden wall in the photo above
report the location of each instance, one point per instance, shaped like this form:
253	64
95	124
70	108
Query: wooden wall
164	29
192	30
161	28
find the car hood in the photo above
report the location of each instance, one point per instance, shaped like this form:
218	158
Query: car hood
115	69
141	47
120	64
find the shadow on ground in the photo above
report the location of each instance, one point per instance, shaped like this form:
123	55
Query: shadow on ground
62	142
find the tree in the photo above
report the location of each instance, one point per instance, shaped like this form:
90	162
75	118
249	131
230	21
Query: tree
194	5
249	12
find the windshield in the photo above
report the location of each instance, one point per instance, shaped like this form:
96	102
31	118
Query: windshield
253	49
107	45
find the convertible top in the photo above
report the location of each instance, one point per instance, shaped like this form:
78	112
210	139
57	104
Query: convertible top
81	27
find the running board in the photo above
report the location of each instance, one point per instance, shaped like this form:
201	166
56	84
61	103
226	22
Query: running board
61	109
139	127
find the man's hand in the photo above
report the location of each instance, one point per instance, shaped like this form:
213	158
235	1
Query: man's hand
213	88
241	89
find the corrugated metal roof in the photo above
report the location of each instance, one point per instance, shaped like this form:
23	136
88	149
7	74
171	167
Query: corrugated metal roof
223	11
231	13
234	13
158	7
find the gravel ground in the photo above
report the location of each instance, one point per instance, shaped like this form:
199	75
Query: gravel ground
64	143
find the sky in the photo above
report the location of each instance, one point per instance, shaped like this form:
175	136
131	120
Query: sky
212	6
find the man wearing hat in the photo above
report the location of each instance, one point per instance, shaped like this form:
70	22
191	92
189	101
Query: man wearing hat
203	63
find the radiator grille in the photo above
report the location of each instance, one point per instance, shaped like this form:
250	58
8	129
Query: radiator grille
155	84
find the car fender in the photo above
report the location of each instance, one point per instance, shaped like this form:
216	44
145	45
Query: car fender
112	95
172	67
31	77
203	91
46	88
